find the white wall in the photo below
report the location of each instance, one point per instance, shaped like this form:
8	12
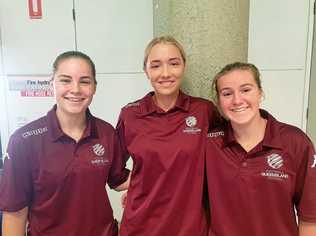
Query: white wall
4	127
280	45
115	37
26	41
114	41
4	133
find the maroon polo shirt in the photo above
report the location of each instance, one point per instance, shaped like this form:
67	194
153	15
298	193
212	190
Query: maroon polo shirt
61	181
255	193
166	189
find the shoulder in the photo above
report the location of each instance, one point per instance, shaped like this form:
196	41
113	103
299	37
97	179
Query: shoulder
292	141
103	126
286	135
218	131
291	135
297	145
287	129
23	140
216	135
200	101
131	109
132	106
33	129
201	104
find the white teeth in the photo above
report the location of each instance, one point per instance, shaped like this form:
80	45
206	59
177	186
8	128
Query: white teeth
75	99
240	109
165	82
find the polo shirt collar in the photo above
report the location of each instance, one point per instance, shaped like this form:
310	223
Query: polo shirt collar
56	132
148	106
271	137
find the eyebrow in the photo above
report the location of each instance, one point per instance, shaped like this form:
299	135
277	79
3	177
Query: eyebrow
68	76
155	61
175	58
243	85
247	84
170	59
63	75
86	77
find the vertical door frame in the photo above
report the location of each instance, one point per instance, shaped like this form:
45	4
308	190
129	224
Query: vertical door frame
309	50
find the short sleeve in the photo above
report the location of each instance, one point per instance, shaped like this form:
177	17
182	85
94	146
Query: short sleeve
306	183
118	171
16	181
120	130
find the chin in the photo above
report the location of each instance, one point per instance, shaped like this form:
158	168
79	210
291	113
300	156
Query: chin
244	121
75	111
168	92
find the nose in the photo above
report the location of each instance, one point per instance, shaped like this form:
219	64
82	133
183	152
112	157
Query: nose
237	99
75	88
165	71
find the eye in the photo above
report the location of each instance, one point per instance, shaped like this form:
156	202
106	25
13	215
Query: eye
226	93
154	66
85	81
65	80
246	90
175	63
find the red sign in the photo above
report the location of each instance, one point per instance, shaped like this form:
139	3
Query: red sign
35	9
37	93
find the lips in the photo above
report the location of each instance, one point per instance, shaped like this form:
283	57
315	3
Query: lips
166	82
72	99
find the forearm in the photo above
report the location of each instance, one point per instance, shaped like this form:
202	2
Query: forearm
307	229
14	223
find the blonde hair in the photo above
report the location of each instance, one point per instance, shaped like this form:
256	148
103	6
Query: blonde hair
164	40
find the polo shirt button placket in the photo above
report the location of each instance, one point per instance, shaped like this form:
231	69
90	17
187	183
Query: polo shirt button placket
244	162
243	169
76	147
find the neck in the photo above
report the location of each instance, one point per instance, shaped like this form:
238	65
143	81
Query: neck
249	135
72	125
165	102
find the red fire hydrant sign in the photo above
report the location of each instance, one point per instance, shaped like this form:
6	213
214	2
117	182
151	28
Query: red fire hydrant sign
35	9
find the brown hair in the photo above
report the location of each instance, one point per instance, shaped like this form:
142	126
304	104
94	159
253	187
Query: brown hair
232	67
164	40
74	54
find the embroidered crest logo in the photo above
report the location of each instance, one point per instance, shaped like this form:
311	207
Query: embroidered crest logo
98	149
190	121
314	163
275	161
